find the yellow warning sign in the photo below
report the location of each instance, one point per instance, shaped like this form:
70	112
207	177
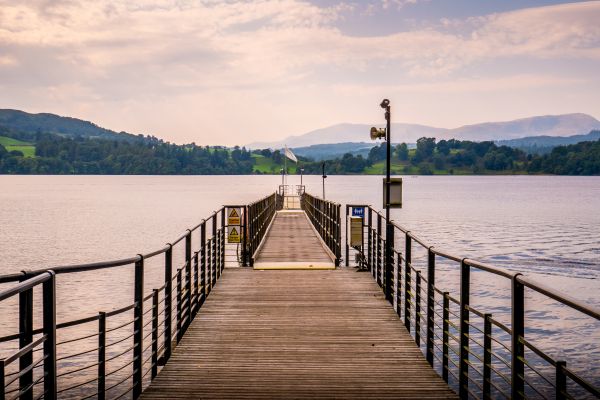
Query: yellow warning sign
233	218
234	235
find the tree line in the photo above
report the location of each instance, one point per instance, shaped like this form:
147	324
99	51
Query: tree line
151	156
57	155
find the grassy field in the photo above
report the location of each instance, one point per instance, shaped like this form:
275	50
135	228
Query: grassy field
11	144
267	166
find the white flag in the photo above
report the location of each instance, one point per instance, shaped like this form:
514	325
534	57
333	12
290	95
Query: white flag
288	153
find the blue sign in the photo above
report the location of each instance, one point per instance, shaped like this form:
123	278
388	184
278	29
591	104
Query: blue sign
358	212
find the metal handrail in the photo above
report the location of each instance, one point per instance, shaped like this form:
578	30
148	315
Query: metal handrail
373	254
182	295
325	216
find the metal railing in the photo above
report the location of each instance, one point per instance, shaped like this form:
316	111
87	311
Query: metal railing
326	218
472	350
260	215
129	344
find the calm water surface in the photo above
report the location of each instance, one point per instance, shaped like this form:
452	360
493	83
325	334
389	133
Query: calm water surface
547	227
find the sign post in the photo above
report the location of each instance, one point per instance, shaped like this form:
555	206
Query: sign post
234	222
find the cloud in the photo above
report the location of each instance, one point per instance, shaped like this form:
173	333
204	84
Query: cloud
123	53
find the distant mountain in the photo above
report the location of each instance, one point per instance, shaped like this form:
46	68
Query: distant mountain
63	126
350	133
544	144
549	125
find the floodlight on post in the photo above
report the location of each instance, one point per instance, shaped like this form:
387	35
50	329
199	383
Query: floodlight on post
381	133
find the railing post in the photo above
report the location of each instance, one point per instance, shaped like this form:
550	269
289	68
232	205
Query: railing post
379	251
2	379
518	331
487	356
214	250
203	262
430	303
196	282
179	306
188	276
223	241
244	239
407	283
102	356
389	263
418	309
561	380
25	338
138	327
168	303
209	276
338	233
347	261
445	335
49	329
465	286
154	333
399	284
370	242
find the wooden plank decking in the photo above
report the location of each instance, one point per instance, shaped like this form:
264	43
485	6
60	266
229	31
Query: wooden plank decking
292	243
297	334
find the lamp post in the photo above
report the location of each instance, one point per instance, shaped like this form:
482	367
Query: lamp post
324	176
301	172
281	170
389	228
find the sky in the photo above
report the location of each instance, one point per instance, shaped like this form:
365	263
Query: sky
234	72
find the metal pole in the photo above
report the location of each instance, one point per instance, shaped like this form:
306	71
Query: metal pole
389	231
324	176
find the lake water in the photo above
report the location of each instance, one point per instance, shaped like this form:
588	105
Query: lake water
546	227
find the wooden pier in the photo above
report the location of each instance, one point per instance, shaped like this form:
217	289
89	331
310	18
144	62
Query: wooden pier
295	326
297	333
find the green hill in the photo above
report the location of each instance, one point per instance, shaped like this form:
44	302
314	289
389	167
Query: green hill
21	121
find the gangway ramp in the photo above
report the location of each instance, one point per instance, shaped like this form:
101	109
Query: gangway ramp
292	243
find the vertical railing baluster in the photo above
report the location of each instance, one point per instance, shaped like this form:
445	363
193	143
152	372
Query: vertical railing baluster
244	238
370	241
2	379
179	306
389	262
379	250
218	254
223	240
138	327
209	277
188	277
203	262
445	334
407	283
25	338
561	380
214	250
154	333
101	355
418	309
49	331
430	303
465	287
196	283
338	234
399	284
518	331
487	356
168	307
347	261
